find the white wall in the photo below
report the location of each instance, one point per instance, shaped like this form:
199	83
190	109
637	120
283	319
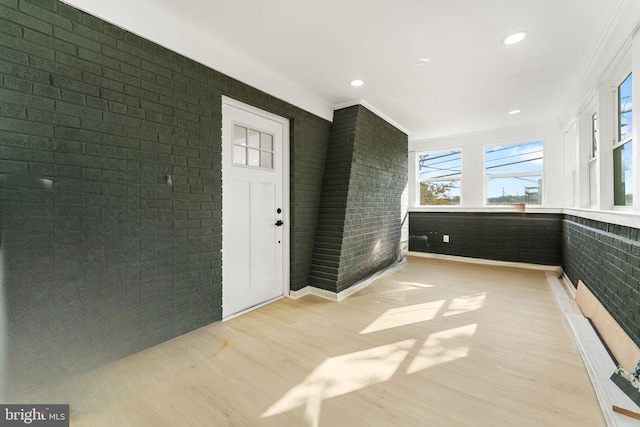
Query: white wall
473	146
616	56
567	143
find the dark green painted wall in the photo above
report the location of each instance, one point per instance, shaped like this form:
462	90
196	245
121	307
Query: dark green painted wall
101	257
606	257
512	237
360	216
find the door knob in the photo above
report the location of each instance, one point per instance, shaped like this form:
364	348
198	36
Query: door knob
279	223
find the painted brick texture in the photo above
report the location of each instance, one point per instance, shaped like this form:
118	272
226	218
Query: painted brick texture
514	237
359	227
100	257
606	257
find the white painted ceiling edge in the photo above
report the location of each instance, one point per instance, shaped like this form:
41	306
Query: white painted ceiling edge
614	41
201	47
528	132
374	110
159	26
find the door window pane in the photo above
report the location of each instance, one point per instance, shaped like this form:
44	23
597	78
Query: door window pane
266	142
254	138
239	155
266	160
239	135
254	157
252	147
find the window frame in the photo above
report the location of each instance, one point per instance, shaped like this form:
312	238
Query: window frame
618	142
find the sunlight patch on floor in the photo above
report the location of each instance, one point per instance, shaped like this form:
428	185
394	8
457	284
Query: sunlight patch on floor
343	374
442	347
465	304
402	316
400	287
414	285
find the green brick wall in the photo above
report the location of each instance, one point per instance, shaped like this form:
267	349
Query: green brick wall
606	258
101	257
359	227
501	236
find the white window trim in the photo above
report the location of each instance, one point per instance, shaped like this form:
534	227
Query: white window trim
586	157
608	129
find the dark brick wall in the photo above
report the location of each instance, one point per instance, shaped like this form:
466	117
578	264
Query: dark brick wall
102	258
515	237
606	257
310	138
360	216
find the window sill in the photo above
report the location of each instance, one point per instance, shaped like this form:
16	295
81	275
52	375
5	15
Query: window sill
625	217
500	208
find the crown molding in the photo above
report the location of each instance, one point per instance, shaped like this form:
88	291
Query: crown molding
374	110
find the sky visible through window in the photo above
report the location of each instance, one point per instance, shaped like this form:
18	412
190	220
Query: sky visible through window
443	165
624	109
622	154
514	173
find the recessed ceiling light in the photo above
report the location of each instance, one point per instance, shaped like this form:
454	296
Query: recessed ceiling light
356	82
515	37
512	112
422	61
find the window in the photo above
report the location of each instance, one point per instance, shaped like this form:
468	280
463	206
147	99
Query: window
514	173
622	159
439	176
593	177
594	135
252	148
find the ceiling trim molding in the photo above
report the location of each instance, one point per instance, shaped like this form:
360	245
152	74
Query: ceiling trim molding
613	43
173	34
374	110
522	133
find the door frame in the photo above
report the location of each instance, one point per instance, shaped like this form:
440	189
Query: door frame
286	217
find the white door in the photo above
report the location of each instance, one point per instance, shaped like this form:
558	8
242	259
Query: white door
255	204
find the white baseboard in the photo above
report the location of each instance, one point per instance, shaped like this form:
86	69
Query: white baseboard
529	266
337	297
597	361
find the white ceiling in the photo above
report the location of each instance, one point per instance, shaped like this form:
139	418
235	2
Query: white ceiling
469	85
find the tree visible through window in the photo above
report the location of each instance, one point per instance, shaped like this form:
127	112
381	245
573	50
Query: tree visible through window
439	176
514	173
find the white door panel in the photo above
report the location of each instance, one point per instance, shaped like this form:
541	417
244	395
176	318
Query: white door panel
240	229
255	201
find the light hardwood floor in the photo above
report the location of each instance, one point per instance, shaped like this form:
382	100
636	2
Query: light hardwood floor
434	343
